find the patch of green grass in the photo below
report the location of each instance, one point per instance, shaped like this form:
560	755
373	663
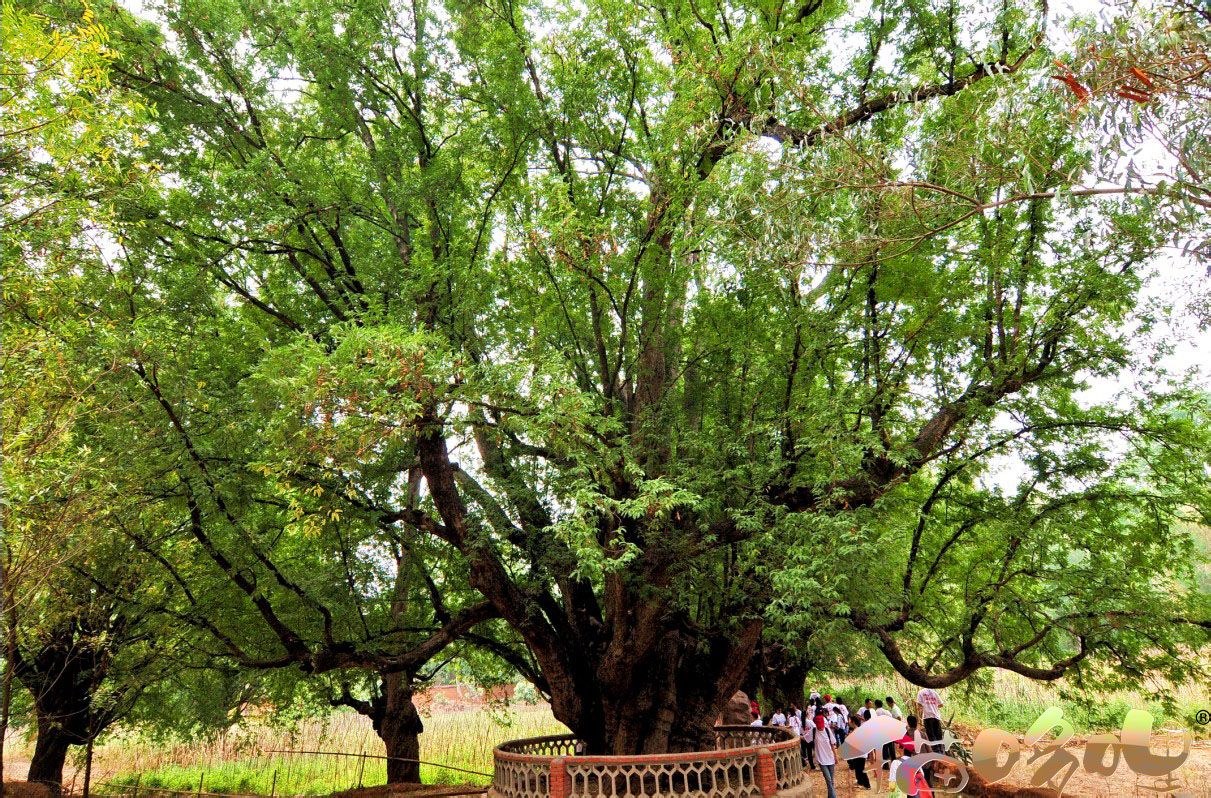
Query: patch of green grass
294	775
302	775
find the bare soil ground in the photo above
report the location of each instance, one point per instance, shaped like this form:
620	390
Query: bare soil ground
20	789
1193	778
412	791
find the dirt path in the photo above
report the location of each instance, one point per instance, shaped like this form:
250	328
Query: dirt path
413	791
17	768
1194	777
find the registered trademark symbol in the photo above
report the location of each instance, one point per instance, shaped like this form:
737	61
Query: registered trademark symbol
1202	717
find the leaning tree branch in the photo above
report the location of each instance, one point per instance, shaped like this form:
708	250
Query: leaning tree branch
770	127
972	661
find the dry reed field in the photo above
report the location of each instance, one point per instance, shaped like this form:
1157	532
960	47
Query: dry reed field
239	762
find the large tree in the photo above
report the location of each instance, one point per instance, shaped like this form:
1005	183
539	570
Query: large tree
656	321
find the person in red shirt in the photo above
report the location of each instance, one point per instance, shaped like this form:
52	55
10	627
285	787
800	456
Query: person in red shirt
909	741
918	781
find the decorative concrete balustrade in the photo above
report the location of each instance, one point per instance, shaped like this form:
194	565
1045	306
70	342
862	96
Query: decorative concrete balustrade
748	762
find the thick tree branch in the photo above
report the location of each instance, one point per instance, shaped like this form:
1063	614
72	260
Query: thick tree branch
787	134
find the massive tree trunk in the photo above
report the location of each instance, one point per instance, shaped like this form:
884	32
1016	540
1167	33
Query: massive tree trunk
783	674
640	678
785	687
50	753
668	701
649	681
630	671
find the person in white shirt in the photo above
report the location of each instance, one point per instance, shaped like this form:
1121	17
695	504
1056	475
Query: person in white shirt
805	741
889	749
931	718
893	709
840	725
844	709
824	745
757	721
779	718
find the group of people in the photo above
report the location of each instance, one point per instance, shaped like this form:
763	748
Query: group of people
823	725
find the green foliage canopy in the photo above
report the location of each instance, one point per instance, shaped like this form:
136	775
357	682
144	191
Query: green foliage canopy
654	324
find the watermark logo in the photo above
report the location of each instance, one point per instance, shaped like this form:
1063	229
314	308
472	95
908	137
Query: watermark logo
996	753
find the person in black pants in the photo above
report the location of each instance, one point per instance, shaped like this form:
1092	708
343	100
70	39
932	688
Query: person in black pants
858	764
840	725
933	731
805	748
889	749
931	706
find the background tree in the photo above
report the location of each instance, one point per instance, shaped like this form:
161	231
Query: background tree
215	484
63	128
85	660
266	549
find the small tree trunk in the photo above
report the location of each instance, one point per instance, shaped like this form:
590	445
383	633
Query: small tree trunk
50	753
399	726
6	702
88	764
62	672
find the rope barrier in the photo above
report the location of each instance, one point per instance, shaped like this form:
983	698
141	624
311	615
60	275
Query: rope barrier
127	788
